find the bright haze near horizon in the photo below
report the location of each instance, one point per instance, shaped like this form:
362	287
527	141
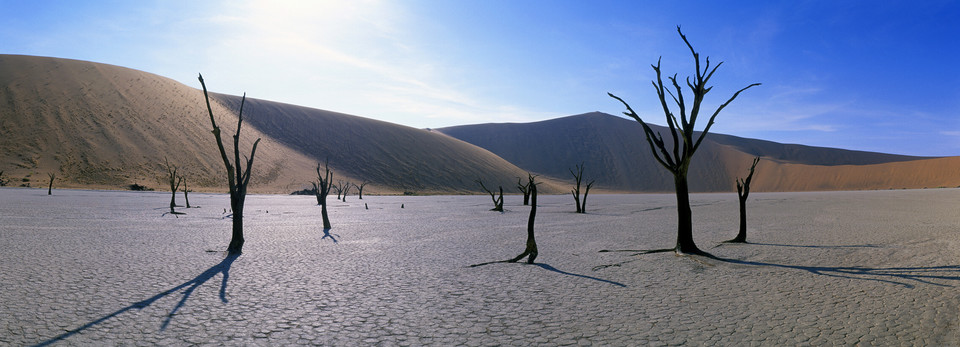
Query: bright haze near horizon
864	75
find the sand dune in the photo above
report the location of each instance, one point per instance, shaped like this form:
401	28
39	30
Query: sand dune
105	126
617	155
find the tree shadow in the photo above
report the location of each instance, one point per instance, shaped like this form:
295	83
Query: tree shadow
327	234
902	276
796	246
894	275
553	269
191	285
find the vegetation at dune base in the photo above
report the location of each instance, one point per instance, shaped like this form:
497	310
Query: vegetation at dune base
676	158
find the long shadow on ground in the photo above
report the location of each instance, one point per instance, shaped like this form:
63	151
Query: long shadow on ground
903	276
553	269
191	285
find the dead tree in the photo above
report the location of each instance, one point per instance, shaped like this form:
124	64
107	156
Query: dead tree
322	189
578	176
339	188
53	175
174	180
743	190
186	199
346	190
531	250
360	189
237	177
497	202
525	189
676	158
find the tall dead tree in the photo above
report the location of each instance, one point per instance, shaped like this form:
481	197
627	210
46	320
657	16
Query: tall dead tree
525	189
743	190
578	177
237	177
174	180
53	175
676	159
322	189
360	189
531	250
497	202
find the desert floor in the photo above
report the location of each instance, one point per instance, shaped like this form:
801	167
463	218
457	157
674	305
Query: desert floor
835	268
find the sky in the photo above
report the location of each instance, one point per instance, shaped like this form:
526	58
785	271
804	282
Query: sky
879	76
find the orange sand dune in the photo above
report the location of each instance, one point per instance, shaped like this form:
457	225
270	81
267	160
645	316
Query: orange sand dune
105	126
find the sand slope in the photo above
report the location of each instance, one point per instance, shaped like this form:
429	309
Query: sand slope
99	125
617	155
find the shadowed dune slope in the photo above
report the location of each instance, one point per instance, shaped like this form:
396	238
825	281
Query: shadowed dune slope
618	156
104	126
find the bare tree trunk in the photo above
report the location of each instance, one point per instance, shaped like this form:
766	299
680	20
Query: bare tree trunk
186	199
50	187
497	202
743	191
531	249
525	189
685	242
322	190
237	178
682	129
578	177
174	180
360	189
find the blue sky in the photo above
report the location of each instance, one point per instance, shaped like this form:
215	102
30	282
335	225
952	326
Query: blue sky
867	75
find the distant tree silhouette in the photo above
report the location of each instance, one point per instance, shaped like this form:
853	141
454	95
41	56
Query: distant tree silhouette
346	190
743	190
53	175
525	189
322	189
497	202
237	178
3	181
578	177
676	158
339	187
360	189
174	180
186	199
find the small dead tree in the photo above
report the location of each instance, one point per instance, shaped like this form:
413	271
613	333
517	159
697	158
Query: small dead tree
743	190
360	189
578	176
677	158
339	188
186	199
531	250
497	202
346	190
53	175
174	180
525	189
237	177
322	189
